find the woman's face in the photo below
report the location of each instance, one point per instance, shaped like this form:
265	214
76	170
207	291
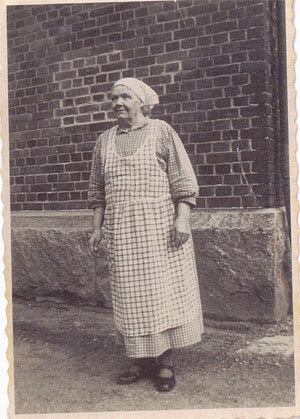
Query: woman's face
126	104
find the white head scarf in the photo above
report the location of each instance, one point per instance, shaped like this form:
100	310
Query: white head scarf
144	92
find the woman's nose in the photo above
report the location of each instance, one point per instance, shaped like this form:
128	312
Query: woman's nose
119	101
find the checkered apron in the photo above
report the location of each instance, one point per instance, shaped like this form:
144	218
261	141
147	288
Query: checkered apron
154	285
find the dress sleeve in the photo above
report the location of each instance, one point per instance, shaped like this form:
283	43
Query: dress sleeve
96	192
182	179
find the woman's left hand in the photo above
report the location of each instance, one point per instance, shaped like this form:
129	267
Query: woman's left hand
181	231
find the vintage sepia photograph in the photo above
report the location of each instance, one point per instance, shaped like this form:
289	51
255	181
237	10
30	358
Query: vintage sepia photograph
150	209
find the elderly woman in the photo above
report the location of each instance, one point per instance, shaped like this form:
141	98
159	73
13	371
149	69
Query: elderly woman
142	186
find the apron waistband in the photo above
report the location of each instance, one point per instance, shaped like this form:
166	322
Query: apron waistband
134	201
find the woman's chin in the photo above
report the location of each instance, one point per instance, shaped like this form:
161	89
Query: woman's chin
122	116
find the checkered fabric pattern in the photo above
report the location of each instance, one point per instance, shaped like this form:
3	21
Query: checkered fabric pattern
154	284
156	344
170	154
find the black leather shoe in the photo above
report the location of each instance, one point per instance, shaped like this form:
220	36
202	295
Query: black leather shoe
129	377
165	383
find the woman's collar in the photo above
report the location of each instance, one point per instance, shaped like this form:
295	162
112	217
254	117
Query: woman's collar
145	122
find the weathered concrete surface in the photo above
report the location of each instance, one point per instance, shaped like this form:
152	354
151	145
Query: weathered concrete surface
271	345
242	259
243	262
51	260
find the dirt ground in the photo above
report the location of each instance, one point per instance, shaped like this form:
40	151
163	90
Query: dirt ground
66	360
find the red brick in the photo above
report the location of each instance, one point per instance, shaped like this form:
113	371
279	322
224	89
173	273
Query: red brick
112	77
229	135
89	109
55	168
227	4
188	43
190	117
222	157
89	33
20	180
42	196
88	71
52	159
68	120
34	206
222	70
224	202
75	176
254	33
126	15
237	35
172	46
222	114
236	13
64	196
221	27
223	103
81	185
54	206
209	180
219	17
206	94
158	39
201	203
77	92
157	49
175	97
64	158
232	179
241	190
252	44
83	119
189	106
221	146
103	11
202	9
63	187
173	108
205	169
205	104
75	205
40	188
223	191
99	116
249	22
239	57
249	201
141	62
52	178
222	168
31	197
188	33
66	111
206	191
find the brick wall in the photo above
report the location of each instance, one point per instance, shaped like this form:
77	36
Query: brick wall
212	62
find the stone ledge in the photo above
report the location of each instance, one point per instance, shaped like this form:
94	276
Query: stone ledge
243	261
213	218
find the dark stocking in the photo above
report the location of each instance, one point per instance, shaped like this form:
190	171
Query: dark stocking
165	360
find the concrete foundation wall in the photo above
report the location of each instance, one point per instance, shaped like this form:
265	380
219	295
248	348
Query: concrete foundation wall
243	260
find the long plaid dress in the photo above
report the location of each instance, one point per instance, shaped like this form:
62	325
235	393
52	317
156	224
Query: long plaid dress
155	292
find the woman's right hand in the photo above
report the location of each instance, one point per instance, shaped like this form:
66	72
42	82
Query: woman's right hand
94	241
